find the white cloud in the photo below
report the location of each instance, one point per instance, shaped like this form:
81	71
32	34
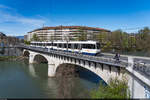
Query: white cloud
5	7
8	16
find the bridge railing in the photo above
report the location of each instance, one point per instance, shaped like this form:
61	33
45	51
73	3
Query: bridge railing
142	68
98	59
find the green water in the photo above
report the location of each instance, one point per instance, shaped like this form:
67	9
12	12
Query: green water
23	80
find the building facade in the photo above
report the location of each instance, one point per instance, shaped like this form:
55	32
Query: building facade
64	33
25	37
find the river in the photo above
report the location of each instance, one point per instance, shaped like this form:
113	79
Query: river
23	80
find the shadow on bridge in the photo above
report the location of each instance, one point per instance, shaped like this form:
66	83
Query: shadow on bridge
73	70
26	54
40	59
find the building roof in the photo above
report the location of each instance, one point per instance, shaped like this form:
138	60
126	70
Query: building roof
71	27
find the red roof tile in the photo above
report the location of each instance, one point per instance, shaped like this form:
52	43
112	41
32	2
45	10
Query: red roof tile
72	27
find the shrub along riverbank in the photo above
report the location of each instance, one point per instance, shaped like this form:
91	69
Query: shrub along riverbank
116	89
7	58
12	58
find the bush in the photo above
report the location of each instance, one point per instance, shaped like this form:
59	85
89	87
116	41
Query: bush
27	42
115	89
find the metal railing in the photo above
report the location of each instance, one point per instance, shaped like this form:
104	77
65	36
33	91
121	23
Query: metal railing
96	59
143	68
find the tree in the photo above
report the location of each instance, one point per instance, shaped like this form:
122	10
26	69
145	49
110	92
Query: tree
83	36
143	39
35	37
125	43
107	46
27	42
103	38
116	89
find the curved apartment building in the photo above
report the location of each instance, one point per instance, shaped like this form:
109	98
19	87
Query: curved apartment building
64	32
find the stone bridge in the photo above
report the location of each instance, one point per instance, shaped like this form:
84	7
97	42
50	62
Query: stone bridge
139	88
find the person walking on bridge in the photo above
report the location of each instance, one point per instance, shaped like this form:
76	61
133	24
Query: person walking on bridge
117	57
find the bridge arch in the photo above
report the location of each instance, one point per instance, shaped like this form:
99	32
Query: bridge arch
26	53
105	72
79	68
40	59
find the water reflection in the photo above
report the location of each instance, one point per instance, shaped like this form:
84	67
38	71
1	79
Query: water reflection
71	88
32	70
32	81
40	70
52	87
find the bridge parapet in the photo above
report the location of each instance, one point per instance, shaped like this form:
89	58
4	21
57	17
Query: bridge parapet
102	60
142	68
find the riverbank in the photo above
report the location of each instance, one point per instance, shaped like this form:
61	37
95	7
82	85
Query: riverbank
12	58
7	58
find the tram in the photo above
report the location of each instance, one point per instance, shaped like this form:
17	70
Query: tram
84	47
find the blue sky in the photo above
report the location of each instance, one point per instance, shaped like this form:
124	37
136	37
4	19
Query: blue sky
17	17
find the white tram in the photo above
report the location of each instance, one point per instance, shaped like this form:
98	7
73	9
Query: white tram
84	47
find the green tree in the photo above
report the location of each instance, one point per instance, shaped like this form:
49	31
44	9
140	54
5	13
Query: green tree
83	36
35	37
143	40
107	46
27	42
116	89
100	37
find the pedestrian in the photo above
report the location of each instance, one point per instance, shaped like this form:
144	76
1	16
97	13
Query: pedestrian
117	56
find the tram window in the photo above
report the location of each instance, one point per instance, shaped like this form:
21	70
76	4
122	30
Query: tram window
59	45
88	46
69	45
98	45
75	46
48	44
54	44
65	45
83	45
